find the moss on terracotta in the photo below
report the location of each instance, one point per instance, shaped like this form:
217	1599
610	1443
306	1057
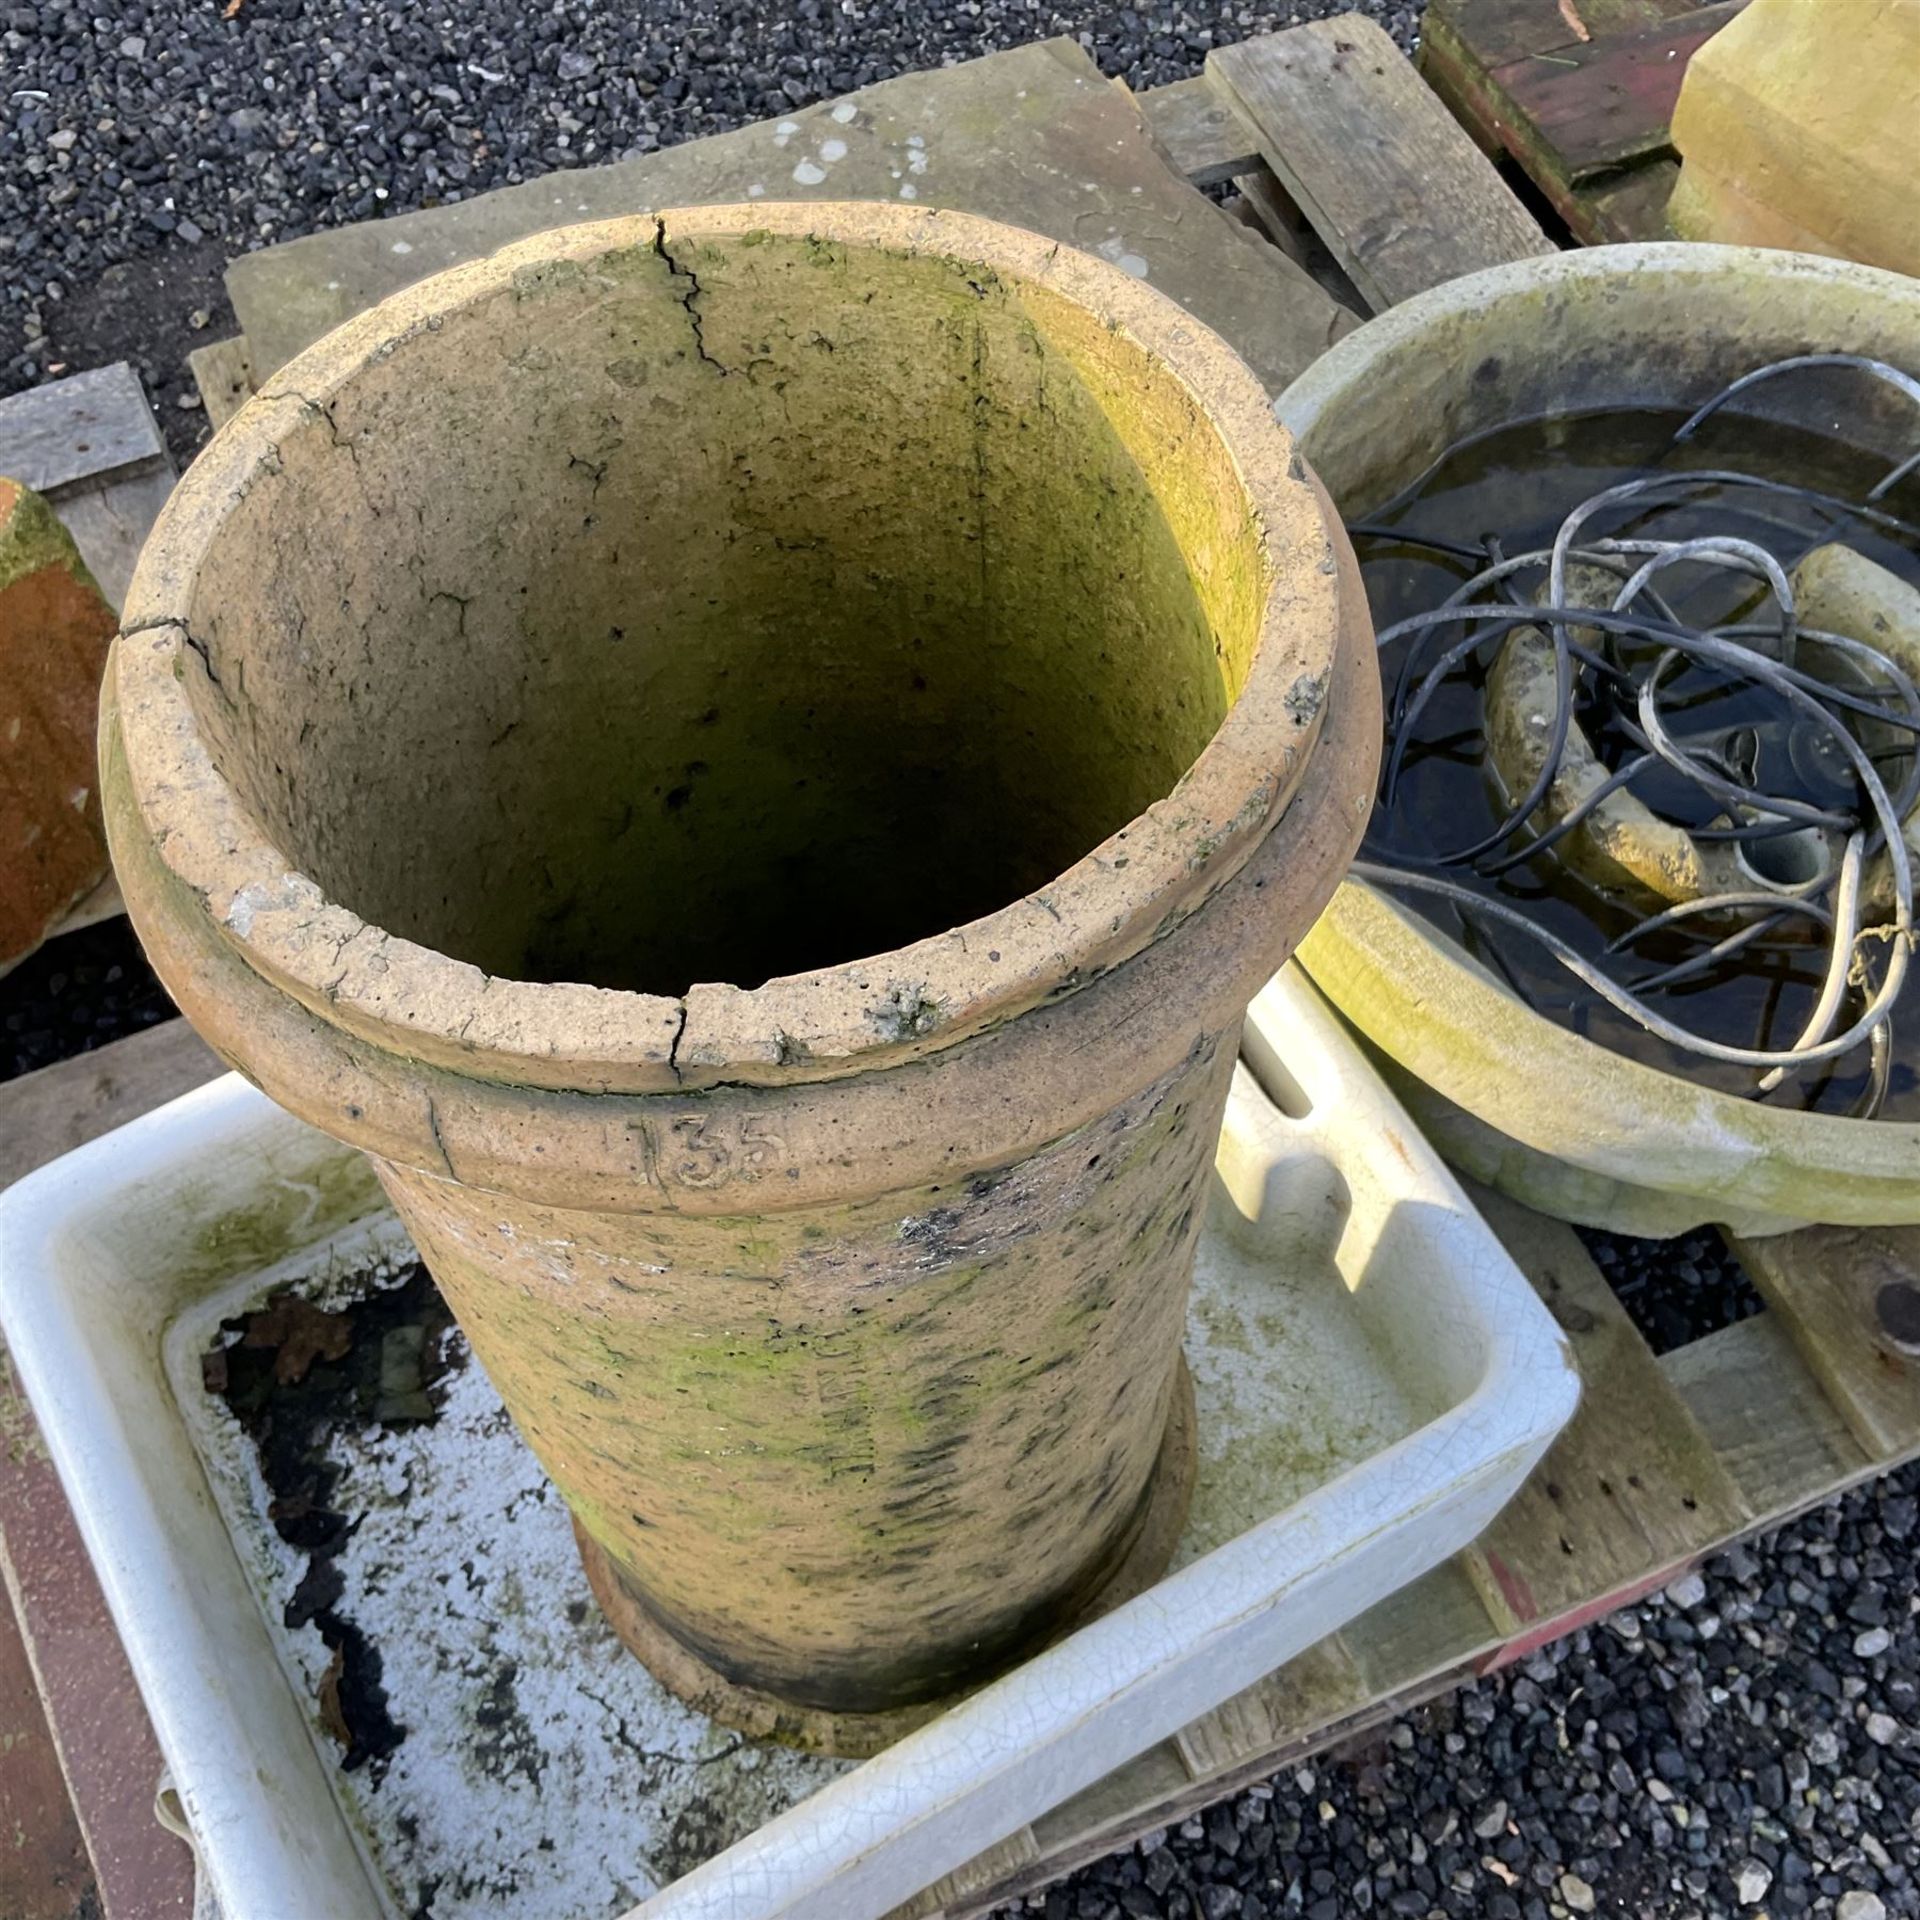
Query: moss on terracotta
790	1457
830	576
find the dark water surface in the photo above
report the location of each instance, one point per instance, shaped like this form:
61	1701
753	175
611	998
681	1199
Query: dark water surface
1516	485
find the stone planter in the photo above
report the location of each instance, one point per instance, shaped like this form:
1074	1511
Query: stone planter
533	707
1636	1149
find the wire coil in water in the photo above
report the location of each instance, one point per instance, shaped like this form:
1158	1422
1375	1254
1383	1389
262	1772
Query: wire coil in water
1814	829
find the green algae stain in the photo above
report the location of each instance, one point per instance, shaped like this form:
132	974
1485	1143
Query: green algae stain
287	1214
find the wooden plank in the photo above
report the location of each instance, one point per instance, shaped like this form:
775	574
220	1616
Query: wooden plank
1467	59
1401	196
1200	131
1437	1625
1275	215
108	1753
110	520
1434	1627
1778	1435
1631	1487
223	371
1272	213
72	431
46	1114
1461	81
1627	206
1157	1777
1319	1687
980	1876
90	443
1603	104
44	1870
1842	1294
1490	33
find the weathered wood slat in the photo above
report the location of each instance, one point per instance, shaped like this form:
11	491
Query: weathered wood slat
1401	196
74	430
1604	104
107	1758
46	1874
1275	215
1436	1626
90	443
983	1873
1159	1774
1528	87
1271	211
1490	33
223	371
1199	130
1779	1437
1627	206
46	1114
1826	1286
110	520
1319	1687
1631	1487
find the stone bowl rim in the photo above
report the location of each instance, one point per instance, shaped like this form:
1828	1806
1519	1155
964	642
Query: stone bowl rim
1416	994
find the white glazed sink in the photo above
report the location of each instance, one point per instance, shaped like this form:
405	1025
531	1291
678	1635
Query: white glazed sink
1374	1378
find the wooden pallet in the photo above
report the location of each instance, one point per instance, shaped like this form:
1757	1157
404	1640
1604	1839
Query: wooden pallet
1576	95
1668	1459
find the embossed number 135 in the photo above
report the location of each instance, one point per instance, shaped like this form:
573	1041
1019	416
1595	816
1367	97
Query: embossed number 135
710	1149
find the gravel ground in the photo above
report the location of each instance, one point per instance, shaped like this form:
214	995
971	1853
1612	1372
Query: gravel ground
77	993
158	131
1675	1291
1743	1746
1746	1745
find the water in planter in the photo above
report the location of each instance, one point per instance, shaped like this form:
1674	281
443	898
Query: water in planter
1443	801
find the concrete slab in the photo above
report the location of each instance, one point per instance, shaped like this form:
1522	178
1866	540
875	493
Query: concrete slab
1034	136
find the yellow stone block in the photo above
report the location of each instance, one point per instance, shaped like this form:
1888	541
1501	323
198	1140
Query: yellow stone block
1708	206
1799	126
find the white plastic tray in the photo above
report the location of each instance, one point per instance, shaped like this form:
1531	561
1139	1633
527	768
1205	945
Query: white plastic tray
1374	1379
